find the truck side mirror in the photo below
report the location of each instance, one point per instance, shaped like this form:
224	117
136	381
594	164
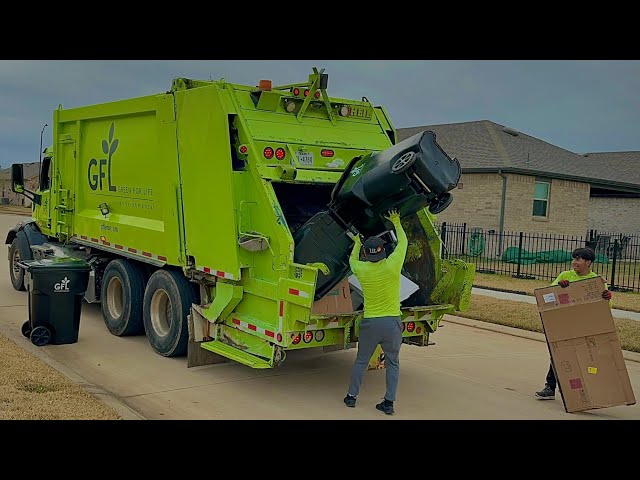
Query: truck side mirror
17	178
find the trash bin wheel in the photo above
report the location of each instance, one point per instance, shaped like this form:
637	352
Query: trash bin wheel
26	329
440	203
404	162
40	336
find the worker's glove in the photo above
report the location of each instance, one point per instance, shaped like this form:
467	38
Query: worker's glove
606	295
392	215
563	283
355	236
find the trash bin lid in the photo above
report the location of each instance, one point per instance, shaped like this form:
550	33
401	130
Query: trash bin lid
57	263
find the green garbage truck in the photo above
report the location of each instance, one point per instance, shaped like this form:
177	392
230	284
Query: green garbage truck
217	217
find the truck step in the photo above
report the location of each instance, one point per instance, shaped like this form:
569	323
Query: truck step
235	354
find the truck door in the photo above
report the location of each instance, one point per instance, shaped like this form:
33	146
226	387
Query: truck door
64	186
42	212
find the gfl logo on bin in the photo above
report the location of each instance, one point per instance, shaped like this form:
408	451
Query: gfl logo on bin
62	286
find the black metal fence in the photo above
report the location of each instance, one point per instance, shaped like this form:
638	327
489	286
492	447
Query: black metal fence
544	256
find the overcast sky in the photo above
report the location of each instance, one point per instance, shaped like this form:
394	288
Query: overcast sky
582	106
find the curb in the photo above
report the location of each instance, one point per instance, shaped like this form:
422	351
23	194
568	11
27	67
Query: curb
516	332
126	412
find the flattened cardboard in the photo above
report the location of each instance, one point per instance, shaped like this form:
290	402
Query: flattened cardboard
337	300
584	346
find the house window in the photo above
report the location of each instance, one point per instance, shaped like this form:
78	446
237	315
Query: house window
541	199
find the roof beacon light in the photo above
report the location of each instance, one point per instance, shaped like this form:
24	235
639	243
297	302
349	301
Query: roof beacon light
265	85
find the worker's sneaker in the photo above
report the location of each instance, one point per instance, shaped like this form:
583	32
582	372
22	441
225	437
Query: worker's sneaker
547	393
386	406
350	401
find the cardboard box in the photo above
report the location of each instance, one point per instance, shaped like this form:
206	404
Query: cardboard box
584	346
337	300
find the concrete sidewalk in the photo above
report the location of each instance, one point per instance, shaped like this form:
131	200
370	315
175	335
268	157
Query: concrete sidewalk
530	299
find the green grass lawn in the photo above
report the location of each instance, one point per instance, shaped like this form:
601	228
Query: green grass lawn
621	300
525	316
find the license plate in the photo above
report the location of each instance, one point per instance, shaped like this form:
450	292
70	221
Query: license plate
305	158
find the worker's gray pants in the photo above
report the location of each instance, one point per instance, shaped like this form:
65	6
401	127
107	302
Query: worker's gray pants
386	331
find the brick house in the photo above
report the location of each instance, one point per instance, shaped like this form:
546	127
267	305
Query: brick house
31	181
514	182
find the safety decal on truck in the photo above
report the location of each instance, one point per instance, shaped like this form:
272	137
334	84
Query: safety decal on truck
217	273
117	247
298	293
255	328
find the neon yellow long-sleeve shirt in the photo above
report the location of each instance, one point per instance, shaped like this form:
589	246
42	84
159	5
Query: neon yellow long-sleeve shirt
572	276
380	281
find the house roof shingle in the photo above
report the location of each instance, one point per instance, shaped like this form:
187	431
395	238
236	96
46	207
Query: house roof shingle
489	146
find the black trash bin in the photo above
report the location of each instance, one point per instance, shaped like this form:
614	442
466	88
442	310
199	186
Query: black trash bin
322	239
56	288
408	176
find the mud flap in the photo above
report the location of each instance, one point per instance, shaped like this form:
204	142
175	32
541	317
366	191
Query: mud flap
200	331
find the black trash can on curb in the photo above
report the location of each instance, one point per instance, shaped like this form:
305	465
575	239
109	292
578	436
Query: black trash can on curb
56	288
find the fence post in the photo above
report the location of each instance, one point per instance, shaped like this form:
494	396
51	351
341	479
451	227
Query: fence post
443	235
519	255
464	236
612	284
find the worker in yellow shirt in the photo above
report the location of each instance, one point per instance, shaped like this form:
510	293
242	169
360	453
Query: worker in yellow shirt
379	277
581	264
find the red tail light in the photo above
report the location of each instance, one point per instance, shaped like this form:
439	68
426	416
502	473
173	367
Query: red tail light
306	93
280	153
308	336
268	153
243	149
325	152
411	326
418	330
296	339
317	94
279	337
296	91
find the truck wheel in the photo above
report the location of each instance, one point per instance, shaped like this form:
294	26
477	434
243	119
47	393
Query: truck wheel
121	298
167	302
16	252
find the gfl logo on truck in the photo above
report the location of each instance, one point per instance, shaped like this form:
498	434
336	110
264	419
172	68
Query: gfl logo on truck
95	179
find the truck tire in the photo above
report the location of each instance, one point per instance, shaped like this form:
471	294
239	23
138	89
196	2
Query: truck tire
18	250
121	298
167	302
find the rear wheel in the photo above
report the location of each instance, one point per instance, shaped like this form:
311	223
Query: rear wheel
121	297
26	329
15	272
40	336
167	302
403	163
440	203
